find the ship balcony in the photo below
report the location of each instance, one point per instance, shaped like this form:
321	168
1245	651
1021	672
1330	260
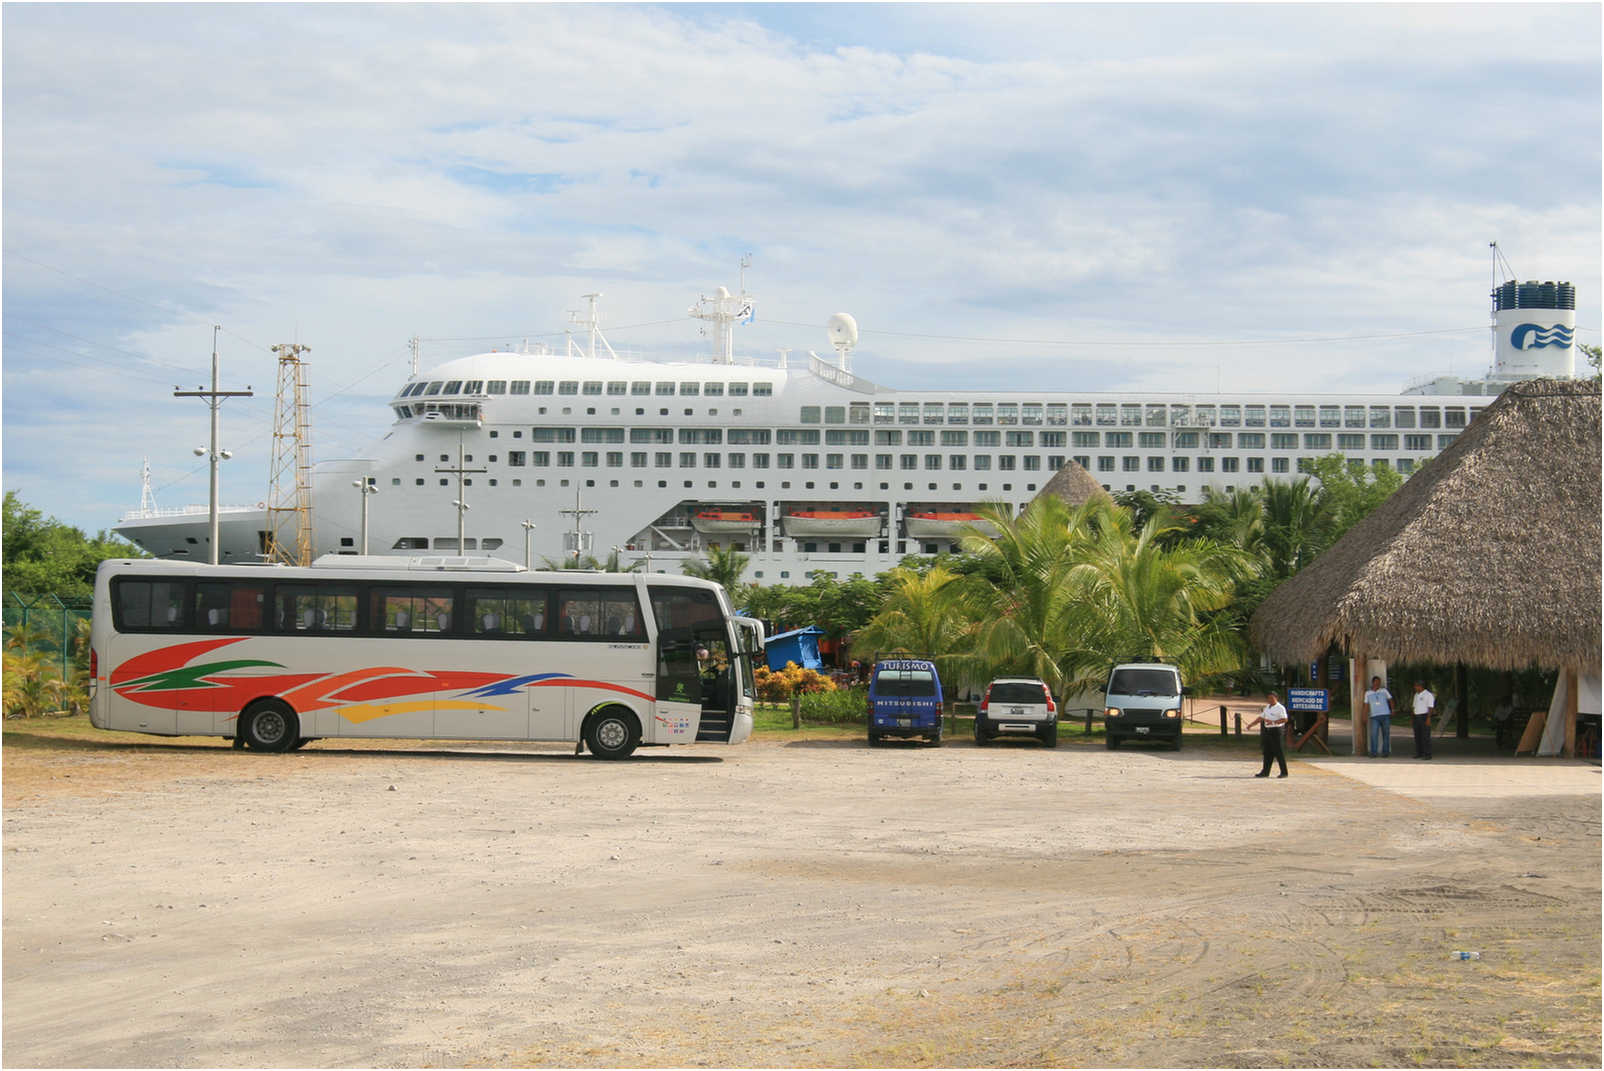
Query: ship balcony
444	414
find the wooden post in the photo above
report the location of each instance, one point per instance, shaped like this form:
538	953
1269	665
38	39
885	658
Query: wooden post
1462	715
1357	686
1239	723
1223	730
796	711
1573	681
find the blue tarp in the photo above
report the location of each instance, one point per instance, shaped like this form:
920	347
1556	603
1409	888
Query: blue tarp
800	646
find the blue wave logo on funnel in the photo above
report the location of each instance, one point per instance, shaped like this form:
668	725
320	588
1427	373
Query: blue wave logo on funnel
1536	337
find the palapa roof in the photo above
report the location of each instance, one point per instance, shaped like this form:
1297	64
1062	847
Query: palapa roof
1488	555
1074	485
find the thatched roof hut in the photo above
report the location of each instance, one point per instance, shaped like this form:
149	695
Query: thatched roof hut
1074	485
1489	555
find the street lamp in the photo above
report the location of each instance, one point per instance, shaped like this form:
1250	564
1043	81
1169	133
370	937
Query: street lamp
529	539
211	520
367	489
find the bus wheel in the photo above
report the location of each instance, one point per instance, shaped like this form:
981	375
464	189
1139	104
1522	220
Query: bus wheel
269	725
612	734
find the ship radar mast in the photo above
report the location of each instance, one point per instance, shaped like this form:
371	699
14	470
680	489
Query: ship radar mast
592	325
843	330
723	310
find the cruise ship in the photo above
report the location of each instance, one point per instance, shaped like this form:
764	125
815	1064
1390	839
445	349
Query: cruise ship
804	465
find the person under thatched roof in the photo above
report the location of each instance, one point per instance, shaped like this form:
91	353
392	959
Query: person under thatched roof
1489	555
1074	485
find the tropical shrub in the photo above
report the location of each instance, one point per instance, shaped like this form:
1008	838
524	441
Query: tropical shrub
777	686
839	706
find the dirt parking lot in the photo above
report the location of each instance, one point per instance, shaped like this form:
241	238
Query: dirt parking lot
788	902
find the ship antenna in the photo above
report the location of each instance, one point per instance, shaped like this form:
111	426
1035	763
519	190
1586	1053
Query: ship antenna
592	324
413	344
723	310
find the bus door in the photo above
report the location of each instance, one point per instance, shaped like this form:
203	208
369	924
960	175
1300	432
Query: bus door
228	608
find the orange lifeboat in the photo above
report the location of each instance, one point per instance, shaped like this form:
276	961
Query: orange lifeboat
828	522
719	521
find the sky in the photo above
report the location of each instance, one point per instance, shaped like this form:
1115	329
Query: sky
1060	196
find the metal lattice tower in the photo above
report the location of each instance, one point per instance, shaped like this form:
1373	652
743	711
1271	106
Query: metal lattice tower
289	491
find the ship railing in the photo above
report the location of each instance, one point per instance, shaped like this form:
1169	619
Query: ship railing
182	511
840	377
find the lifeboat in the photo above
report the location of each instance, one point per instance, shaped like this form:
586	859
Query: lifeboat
945	525
719	521
824	522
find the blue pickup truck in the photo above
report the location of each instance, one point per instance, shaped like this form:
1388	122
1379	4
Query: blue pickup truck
905	700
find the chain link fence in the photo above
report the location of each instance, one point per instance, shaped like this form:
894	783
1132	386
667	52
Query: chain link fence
46	653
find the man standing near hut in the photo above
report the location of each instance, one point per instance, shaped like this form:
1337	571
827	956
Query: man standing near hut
1379	700
1425	704
1272	735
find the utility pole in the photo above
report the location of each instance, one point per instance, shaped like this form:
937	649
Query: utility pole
578	513
462	499
365	484
529	544
214	400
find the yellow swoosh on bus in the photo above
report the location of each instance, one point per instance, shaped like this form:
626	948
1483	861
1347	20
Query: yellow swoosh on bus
357	713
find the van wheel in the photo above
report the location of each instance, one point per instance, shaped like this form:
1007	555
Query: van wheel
874	739
269	725
612	734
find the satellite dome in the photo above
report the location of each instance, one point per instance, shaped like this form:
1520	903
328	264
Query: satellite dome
843	330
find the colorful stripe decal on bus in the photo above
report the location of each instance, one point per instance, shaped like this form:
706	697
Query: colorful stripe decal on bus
164	679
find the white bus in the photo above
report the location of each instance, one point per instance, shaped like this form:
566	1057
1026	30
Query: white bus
430	648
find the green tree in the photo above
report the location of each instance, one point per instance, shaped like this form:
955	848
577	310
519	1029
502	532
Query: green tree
724	566
922	615
1298	522
43	556
1352	490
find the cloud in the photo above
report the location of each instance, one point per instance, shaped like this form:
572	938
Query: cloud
1204	184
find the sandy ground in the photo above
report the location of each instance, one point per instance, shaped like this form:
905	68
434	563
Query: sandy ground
792	903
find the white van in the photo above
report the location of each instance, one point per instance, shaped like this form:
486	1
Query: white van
1143	702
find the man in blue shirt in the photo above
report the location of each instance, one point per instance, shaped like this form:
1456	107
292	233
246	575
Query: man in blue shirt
1379	700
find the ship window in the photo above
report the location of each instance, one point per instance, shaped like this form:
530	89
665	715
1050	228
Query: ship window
1007	413
1404	416
884	413
1155	416
1330	416
1430	418
1148	440
1453	418
1086	438
496	386
601	435
1030	413
1205	416
835	414
981	413
1350	442
1205	464
957	462
1283	441
515	457
1181	464
1303	416
665	390
473	386
1220	440
1057	414
957	412
1280	416
1353	416
1250	440
640	388
1230	416
569	387
1317	440
453	387
1107	415
888	438
955	438
617	387
1130	416
933	412
858	413
1080	415
434	388
762	390
810	414
713	390
552	435
907	412
1255	416
738	390
690	390
1384	442
521	386
988	438
1119	440
1021	438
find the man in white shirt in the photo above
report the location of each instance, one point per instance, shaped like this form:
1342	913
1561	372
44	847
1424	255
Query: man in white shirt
1272	735
1379	700
1425	704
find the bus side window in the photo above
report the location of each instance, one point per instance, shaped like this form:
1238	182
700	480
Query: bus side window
150	604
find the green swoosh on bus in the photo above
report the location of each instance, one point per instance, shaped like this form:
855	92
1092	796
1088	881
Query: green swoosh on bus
190	676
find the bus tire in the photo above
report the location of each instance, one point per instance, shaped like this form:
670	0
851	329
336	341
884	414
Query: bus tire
612	733
302	741
269	725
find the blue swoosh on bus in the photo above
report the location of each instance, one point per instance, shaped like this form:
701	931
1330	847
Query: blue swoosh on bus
511	685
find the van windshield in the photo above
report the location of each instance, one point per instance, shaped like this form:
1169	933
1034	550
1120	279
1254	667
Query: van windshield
1017	692
905	682
1144	682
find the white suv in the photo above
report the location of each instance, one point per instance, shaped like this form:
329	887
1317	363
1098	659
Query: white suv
1017	706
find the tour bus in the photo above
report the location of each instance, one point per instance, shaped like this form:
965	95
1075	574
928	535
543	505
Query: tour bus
469	648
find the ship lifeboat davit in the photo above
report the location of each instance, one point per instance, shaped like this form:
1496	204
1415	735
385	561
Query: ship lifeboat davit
824	522
720	521
946	525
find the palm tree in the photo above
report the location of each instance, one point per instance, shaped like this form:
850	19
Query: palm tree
1236	518
1298	525
921	615
724	566
1143	601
